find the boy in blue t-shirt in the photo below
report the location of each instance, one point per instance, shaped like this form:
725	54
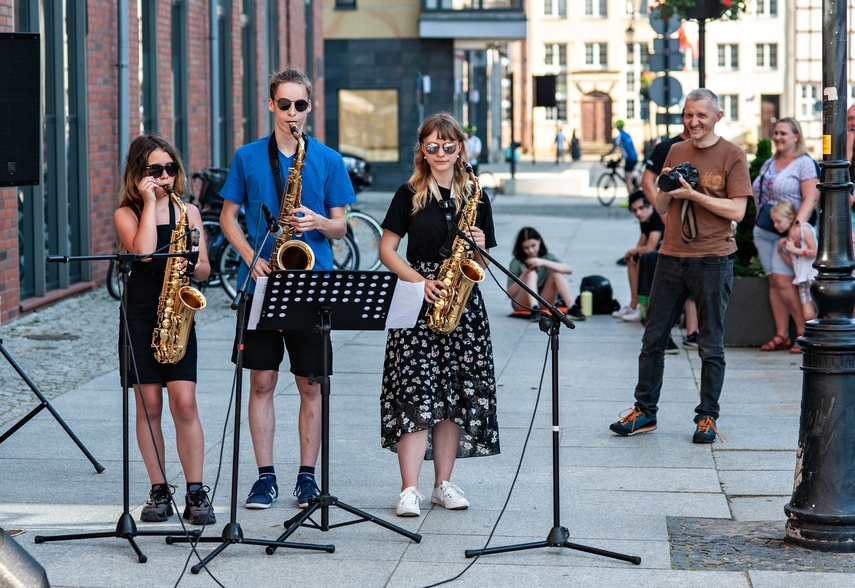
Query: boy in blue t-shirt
627	150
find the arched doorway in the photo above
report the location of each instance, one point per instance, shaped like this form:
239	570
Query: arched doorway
596	118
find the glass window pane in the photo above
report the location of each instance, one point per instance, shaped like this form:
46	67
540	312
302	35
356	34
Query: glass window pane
368	124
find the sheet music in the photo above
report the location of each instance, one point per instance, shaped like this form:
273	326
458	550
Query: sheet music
257	302
406	305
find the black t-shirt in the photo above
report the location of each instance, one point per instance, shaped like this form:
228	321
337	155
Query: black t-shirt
428	229
654	223
656	161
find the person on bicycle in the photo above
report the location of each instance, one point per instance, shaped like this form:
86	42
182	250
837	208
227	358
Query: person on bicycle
630	157
326	190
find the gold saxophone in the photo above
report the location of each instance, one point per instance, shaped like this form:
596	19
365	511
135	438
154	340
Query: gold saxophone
459	272
289	253
178	300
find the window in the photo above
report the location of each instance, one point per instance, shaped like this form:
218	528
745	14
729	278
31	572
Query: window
767	7
728	56
247	64
730	106
559	112
596	55
180	108
630	109
596	8
555	54
368	124
345	4
807	101
767	55
555	8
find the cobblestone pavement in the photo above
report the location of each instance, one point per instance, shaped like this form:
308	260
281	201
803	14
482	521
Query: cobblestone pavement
67	344
720	544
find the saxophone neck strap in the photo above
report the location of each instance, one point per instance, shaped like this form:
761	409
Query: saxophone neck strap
273	156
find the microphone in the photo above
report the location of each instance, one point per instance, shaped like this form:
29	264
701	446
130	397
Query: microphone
468	168
273	225
445	250
194	253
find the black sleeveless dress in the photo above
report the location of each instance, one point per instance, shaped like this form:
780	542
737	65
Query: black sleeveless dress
144	287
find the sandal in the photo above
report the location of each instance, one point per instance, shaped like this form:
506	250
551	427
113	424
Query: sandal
795	348
777	343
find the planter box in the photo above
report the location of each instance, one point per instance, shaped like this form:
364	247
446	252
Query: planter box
748	321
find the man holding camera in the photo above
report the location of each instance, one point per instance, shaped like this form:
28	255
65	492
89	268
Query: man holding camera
704	187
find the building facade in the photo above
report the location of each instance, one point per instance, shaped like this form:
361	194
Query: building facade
194	71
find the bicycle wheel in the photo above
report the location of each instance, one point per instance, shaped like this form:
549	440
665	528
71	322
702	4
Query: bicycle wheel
366	233
114	285
345	254
228	264
607	189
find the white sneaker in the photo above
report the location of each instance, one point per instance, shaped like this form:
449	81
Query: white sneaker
408	502
633	316
449	496
622	312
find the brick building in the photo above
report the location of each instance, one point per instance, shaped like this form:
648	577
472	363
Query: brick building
194	71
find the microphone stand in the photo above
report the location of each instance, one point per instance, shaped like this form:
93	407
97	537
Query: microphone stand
126	528
550	324
232	532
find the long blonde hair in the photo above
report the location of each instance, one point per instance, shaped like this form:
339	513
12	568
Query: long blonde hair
422	181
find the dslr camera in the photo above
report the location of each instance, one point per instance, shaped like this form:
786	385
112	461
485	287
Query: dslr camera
671	180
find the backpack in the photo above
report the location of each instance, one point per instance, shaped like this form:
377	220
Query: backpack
601	294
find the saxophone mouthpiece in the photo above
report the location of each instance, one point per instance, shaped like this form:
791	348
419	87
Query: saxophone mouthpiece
169	190
468	168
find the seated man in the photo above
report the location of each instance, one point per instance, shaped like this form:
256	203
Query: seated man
650	239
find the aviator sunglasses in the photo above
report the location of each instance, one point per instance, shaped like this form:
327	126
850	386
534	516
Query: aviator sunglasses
285	104
433	148
156	170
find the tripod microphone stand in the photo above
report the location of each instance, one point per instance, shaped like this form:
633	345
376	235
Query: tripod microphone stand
232	532
557	536
296	300
45	403
126	528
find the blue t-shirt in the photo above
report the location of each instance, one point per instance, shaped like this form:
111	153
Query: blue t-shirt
627	149
250	183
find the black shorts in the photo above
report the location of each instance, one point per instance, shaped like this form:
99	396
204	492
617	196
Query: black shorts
265	350
628	166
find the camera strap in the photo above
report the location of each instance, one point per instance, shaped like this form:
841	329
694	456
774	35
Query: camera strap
689	226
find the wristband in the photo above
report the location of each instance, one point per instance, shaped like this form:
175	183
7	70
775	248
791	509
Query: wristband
798	222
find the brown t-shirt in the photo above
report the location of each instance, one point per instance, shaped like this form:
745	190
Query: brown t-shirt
723	172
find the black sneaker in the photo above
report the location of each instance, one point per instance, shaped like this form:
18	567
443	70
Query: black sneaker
671	348
691	341
535	314
705	431
159	505
198	509
306	490
574	313
620	261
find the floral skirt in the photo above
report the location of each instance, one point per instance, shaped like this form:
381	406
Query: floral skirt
429	377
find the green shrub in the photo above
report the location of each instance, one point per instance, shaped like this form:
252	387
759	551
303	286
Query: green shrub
747	263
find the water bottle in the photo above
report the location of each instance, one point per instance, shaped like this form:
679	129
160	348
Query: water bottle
587	303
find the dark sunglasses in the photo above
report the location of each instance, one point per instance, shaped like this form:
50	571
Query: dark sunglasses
285	104
156	170
433	148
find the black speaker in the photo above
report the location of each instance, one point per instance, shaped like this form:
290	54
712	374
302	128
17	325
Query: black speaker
20	109
18	569
544	91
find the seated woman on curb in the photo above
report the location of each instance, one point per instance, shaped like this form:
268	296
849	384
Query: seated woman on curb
542	272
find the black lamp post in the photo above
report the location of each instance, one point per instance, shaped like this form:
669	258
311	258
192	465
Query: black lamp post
821	512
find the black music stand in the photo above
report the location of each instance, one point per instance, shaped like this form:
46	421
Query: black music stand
44	404
126	528
304	301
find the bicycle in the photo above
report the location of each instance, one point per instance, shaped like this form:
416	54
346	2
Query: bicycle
607	183
491	183
365	233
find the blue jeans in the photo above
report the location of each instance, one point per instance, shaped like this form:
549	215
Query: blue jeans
709	280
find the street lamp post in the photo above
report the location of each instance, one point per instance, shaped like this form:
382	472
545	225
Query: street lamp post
821	512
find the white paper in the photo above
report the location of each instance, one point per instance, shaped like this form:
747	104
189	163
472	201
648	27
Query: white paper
406	305
257	302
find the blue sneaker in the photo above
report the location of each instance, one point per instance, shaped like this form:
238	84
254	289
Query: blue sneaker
306	490
263	493
633	422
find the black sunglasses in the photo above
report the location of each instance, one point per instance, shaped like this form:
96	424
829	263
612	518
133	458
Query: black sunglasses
156	170
433	148
285	104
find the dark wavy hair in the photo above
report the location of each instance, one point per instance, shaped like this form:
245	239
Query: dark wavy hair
134	170
526	234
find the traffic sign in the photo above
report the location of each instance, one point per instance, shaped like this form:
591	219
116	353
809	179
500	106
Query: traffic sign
668	118
664	27
663	44
657	91
662	62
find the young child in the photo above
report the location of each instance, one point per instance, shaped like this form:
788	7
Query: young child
144	222
801	256
542	272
